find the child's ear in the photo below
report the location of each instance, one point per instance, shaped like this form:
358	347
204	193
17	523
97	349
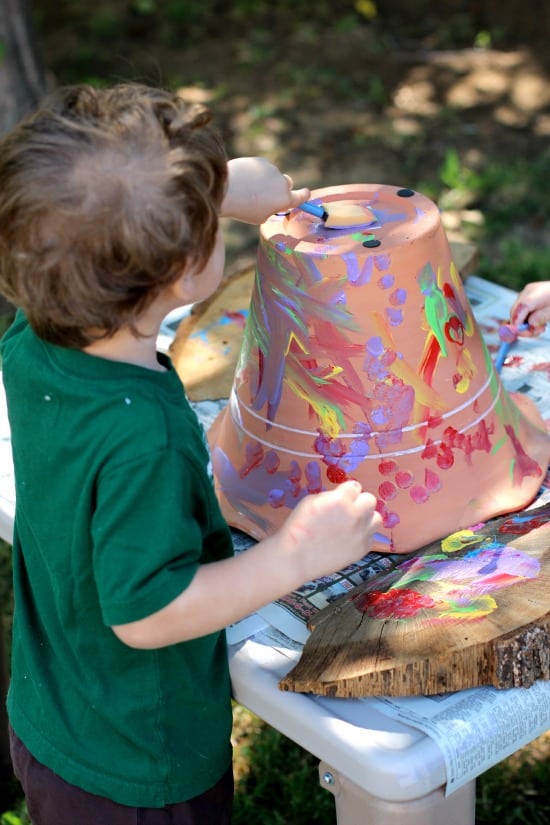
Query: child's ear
185	286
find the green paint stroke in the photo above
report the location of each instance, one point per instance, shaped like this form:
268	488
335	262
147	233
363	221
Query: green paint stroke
435	305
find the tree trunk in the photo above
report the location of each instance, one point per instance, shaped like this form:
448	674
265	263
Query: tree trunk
22	75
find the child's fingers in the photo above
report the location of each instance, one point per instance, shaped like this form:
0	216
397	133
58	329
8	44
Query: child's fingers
353	492
539	317
298	196
537	321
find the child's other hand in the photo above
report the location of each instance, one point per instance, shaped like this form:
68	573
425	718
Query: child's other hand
532	306
256	189
328	531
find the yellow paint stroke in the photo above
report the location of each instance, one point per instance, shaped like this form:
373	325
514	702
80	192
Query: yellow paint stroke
332	422
460	540
476	609
292	337
467	370
456	281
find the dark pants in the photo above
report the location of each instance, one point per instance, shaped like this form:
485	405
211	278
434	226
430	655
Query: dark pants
52	801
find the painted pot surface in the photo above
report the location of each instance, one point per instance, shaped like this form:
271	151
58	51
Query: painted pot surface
362	359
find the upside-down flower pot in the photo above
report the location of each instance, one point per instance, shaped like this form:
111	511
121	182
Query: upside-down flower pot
362	359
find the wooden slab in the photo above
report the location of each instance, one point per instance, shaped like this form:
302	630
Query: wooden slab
471	609
208	342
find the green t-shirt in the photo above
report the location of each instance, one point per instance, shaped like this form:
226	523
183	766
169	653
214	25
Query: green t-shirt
114	512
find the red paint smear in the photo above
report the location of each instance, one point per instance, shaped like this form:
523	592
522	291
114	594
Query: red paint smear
260	367
393	604
430	450
455	440
419	494
454	330
254	457
404	479
445	458
387	490
524	464
432	481
429	362
523	527
237	317
336	475
479	440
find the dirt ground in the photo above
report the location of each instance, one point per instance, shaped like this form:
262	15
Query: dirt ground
341	104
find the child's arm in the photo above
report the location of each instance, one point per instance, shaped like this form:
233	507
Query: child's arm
256	189
325	533
532	306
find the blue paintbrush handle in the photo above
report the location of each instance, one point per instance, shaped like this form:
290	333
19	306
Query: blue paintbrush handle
314	209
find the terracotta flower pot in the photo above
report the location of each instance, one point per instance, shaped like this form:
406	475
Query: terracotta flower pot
362	359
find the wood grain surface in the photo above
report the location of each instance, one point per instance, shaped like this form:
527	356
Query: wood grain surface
473	609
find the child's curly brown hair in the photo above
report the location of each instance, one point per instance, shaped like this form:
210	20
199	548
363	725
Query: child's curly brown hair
106	196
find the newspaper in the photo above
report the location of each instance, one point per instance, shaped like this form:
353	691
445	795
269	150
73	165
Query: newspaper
476	728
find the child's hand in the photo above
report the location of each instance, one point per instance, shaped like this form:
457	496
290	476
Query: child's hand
532	306
329	530
256	189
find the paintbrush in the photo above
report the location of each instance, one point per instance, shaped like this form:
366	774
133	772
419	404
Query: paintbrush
508	334
340	215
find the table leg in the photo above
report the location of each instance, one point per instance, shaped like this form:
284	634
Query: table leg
354	806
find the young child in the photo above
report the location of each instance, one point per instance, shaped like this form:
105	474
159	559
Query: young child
124	576
532	306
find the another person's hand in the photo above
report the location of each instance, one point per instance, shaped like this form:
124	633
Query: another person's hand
256	189
532	306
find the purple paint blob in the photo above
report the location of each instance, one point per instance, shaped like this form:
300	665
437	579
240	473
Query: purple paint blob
386	281
394	316
398	297
374	346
